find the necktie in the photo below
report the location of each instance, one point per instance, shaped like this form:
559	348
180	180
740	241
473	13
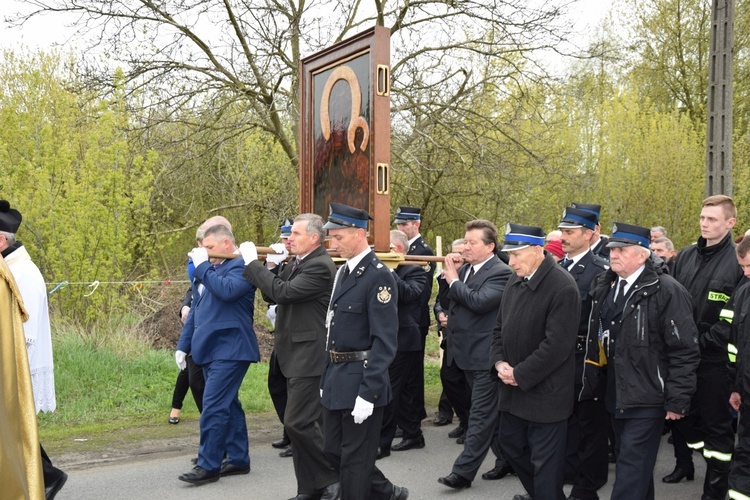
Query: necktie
469	274
346	273
296	263
620	298
566	263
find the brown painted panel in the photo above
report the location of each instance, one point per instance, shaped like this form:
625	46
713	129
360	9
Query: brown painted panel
345	129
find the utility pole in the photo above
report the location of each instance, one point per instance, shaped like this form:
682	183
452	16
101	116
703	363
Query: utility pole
720	99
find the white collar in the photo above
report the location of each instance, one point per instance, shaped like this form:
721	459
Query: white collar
352	263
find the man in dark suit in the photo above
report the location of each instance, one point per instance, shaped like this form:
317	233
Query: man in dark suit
411	410
533	354
362	325
410	281
301	293
471	295
219	334
588	426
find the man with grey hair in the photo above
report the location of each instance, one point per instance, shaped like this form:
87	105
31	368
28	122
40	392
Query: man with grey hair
658	232
641	328
301	291
664	248
410	281
219	334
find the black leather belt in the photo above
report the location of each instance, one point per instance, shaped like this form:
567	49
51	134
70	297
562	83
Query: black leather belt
348	357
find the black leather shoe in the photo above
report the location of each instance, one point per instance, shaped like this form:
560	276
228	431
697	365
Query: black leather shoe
51	490
461	439
455	481
408	444
457	432
228	469
678	474
399	432
281	443
199	476
286	453
523	496
498	472
382	453
441	421
331	492
399	493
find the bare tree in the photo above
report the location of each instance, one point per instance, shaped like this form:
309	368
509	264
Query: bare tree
183	53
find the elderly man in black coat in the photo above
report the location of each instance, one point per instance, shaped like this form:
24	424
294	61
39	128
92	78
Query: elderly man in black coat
532	352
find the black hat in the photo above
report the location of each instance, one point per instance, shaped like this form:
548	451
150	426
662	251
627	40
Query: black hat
591	208
624	235
407	214
343	216
10	219
286	228
575	217
518	237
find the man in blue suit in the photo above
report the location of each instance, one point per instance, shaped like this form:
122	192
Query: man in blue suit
219	334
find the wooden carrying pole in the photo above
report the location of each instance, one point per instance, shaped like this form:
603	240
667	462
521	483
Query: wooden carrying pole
408	260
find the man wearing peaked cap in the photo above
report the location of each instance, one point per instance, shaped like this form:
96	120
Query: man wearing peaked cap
598	242
286	229
586	464
36	330
362	323
646	357
532	355
343	217
411	407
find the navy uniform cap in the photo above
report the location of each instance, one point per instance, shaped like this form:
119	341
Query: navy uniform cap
407	214
624	235
10	218
343	216
575	217
286	228
589	207
518	237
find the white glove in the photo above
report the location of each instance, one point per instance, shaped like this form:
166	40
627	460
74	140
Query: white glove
198	255
248	251
180	356
280	255
271	315
362	410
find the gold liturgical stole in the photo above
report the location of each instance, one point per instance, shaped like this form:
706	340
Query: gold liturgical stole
20	457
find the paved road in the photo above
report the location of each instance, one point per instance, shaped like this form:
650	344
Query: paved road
154	476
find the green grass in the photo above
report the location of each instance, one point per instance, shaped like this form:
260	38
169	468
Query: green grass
111	386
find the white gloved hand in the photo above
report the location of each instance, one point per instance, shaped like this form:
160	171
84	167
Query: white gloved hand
198	256
280	256
179	357
271	315
362	410
248	251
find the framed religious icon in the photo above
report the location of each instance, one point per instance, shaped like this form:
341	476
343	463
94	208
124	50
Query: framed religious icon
345	130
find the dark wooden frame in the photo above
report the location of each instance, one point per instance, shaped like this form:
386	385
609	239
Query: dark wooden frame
373	136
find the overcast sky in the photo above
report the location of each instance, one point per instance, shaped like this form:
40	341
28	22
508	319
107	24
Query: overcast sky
43	32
